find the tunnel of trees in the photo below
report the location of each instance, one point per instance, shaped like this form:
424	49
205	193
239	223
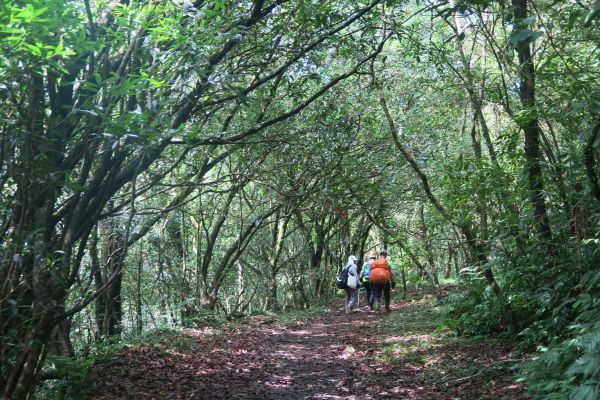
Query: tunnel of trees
165	161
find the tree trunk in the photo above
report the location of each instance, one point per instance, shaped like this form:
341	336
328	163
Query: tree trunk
139	323
316	248
475	98
530	126
60	339
272	303
108	267
449	263
428	247
278	233
590	161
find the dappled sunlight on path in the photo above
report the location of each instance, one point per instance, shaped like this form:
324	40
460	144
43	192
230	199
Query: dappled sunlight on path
336	356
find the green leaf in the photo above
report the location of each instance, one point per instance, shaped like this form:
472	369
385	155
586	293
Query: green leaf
585	392
592	15
36	51
535	36
525	35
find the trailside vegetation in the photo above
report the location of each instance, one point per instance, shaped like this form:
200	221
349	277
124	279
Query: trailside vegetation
176	162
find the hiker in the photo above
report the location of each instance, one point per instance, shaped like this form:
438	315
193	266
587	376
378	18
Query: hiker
351	293
380	279
364	275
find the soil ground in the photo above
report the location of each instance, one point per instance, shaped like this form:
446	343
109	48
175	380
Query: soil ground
363	355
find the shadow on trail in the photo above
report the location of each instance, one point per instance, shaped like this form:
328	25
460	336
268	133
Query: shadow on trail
336	356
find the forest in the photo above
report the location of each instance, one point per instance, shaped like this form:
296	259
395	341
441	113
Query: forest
176	166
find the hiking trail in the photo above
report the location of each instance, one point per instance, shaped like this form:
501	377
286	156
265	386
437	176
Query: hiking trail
333	356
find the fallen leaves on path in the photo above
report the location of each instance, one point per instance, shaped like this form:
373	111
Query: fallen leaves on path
335	356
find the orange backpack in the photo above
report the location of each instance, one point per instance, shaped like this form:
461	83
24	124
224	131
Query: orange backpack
380	272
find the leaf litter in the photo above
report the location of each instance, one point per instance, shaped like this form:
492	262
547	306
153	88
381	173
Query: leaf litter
333	356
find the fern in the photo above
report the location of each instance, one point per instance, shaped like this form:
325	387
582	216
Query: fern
587	391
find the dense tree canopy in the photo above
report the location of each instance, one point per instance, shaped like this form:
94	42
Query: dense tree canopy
164	162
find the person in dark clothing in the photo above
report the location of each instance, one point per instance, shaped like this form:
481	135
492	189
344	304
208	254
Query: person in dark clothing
380	279
364	274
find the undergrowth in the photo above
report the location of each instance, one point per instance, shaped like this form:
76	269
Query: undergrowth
420	341
554	312
66	378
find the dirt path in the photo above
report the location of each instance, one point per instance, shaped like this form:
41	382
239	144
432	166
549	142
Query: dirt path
336	356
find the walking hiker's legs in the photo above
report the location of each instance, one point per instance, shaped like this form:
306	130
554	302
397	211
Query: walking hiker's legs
376	293
353	298
369	290
347	293
386	296
348	299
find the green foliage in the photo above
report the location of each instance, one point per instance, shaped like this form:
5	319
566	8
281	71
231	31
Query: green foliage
265	158
70	377
525	35
556	310
73	378
475	310
570	364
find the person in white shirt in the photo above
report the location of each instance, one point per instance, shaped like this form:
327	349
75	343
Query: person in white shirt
352	293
